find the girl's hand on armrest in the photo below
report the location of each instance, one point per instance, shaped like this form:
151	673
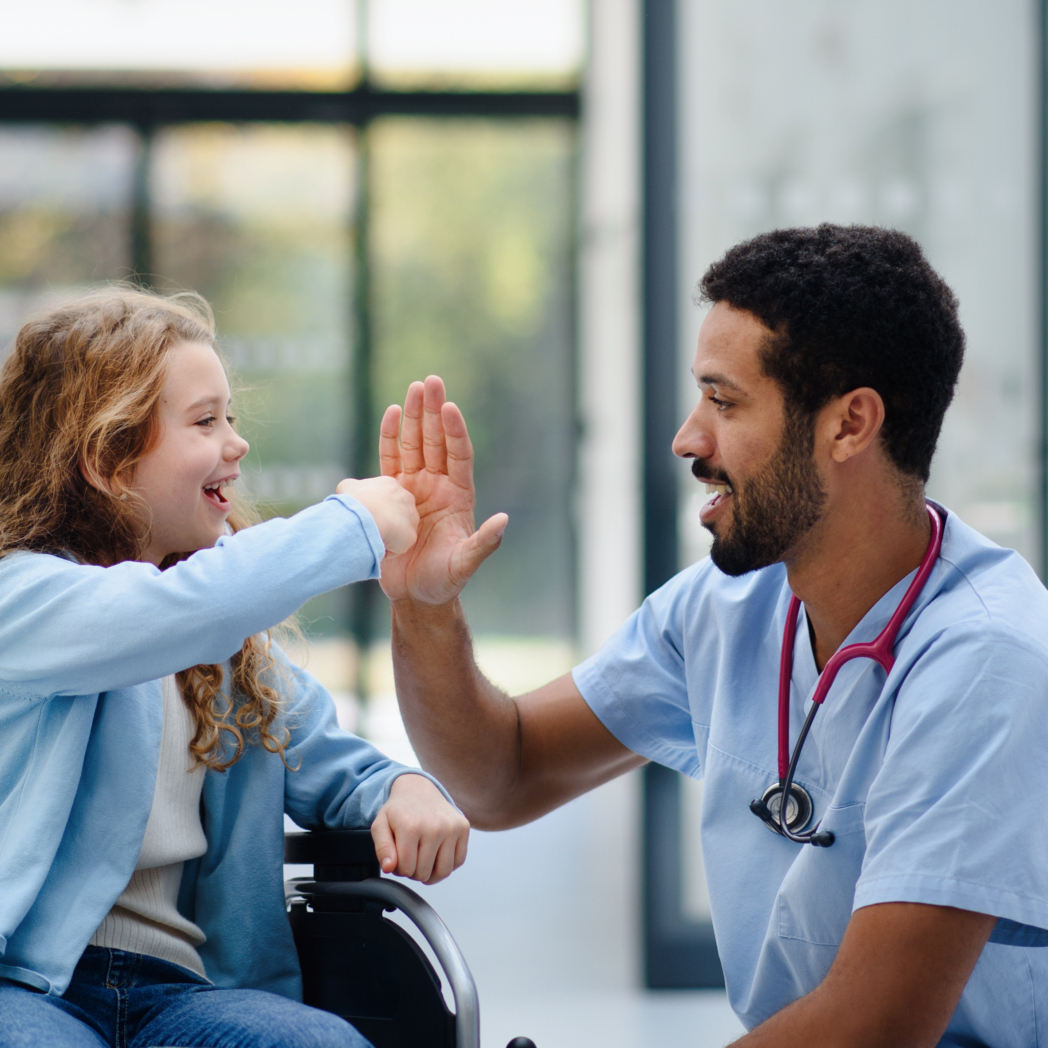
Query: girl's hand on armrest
417	834
392	507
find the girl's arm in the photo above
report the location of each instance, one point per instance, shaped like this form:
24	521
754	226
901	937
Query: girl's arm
340	781
74	629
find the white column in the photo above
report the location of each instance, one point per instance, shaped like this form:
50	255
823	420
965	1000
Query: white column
610	459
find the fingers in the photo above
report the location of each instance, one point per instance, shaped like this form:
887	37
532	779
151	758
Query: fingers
433	864
425	442
459	447
461	848
428	835
428	856
388	442
472	552
445	862
434	449
411	451
385	845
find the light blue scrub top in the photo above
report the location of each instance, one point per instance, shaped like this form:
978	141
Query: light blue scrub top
933	779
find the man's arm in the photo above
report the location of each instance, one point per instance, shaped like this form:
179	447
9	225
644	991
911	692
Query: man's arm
896	980
505	761
901	967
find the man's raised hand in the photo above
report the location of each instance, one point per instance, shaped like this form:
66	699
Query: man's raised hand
426	447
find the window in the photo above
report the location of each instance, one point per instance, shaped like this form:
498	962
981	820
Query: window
352	232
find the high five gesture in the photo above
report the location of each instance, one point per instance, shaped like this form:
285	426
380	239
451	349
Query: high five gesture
427	449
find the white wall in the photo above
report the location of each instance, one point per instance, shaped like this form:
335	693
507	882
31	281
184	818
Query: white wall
916	114
609	517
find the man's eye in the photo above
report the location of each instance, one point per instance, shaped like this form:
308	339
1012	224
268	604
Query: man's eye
721	404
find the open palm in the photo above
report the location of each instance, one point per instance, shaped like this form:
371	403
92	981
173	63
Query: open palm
430	454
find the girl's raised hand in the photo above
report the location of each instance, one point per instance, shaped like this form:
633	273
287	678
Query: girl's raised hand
417	834
392	507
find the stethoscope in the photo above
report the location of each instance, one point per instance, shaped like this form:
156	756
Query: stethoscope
799	805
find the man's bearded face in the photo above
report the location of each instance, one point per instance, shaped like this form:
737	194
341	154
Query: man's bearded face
772	509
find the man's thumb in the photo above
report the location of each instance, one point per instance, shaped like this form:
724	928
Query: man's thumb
483	542
385	845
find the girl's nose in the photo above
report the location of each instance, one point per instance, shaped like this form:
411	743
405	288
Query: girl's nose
237	448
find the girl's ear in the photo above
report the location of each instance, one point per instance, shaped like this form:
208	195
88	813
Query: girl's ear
98	482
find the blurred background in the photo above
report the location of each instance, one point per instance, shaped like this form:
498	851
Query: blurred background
520	195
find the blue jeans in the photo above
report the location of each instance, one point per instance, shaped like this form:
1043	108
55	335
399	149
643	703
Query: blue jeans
127	1000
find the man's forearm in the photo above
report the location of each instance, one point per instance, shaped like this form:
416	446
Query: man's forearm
895	982
463	729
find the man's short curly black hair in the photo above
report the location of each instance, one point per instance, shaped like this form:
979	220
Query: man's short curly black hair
851	306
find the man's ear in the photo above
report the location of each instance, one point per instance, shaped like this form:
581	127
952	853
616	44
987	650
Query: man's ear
852	422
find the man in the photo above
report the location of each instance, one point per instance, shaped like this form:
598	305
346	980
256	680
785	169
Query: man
824	368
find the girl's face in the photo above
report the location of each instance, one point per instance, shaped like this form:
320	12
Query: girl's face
198	453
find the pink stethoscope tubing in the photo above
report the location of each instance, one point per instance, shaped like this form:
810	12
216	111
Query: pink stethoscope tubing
786	791
880	650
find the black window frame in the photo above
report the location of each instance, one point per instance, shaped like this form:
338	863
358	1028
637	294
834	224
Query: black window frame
679	951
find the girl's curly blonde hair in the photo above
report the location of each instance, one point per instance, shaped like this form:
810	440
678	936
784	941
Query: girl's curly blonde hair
78	397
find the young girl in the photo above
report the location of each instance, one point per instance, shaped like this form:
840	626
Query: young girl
151	737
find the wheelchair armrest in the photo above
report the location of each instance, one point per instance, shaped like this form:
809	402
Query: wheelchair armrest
335	855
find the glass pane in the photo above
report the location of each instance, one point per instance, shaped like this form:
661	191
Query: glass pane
472	275
311	43
476	42
918	115
65	212
258	220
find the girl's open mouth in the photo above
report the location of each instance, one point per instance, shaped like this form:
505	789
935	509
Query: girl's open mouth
213	494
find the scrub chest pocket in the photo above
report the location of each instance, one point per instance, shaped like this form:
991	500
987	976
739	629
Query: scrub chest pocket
814	903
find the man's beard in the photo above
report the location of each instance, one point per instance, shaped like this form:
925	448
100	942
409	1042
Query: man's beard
774	508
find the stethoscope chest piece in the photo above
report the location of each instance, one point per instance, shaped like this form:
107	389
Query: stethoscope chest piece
799	807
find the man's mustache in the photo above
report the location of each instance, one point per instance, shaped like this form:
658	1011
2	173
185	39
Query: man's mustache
702	470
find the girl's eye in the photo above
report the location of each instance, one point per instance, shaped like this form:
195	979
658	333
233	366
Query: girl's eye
232	420
209	421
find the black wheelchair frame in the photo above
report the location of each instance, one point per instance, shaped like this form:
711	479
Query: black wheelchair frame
366	968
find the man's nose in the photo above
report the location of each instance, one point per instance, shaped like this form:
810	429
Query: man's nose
693	439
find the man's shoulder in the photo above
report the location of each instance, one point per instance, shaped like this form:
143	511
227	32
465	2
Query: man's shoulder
704	614
989	590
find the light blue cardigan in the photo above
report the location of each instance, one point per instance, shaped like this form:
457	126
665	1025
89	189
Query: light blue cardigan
82	651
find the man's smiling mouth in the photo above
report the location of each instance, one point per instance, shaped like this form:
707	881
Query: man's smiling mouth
722	493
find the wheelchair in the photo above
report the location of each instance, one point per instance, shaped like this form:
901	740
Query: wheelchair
366	968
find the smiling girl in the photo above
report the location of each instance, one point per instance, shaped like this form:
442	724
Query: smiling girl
151	736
